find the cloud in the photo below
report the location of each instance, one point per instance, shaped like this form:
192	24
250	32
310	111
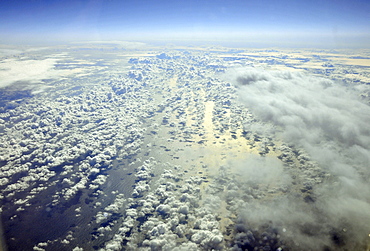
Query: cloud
307	103
33	71
9	51
328	120
26	70
261	170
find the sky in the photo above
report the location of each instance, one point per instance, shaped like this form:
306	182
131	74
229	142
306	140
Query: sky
286	22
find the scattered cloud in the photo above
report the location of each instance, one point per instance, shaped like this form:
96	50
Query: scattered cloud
310	132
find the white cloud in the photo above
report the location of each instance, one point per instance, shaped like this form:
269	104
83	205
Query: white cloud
329	121
8	51
267	170
27	70
33	70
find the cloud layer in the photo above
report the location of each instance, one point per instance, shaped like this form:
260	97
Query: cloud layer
26	70
330	123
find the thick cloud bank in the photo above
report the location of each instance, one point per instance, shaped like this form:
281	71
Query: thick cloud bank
328	121
26	70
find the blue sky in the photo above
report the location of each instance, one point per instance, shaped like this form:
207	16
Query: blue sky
286	22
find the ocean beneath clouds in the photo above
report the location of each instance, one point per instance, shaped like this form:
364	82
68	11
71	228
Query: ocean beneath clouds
158	149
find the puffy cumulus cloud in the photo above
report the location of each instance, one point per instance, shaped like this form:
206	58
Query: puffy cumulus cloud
328	120
170	217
